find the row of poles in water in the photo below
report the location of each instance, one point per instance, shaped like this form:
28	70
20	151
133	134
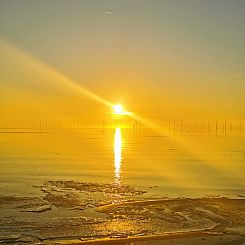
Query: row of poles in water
163	128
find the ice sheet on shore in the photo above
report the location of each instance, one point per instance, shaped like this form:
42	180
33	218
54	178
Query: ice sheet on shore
24	204
126	213
82	195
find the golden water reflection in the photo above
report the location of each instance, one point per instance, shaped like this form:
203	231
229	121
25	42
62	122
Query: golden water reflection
117	155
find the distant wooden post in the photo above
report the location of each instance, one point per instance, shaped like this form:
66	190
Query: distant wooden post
216	128
225	128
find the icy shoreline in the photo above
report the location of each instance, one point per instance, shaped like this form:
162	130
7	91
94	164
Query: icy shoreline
77	212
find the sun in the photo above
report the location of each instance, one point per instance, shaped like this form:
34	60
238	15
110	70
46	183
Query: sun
118	109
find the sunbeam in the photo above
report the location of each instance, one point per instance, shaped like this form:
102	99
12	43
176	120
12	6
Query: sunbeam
48	74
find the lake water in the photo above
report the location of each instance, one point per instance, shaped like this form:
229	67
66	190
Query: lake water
190	165
53	175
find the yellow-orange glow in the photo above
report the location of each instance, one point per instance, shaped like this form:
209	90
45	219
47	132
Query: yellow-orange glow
118	109
117	154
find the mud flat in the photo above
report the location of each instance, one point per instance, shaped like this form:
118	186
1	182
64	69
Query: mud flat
69	212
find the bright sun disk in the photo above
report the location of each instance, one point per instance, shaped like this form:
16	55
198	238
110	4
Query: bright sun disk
118	109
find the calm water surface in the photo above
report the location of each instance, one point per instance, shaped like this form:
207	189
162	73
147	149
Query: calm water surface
178	165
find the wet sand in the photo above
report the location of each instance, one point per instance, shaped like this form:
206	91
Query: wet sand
201	238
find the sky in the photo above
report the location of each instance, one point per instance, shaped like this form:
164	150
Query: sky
163	59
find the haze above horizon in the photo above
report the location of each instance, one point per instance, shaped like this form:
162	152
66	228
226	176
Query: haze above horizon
167	60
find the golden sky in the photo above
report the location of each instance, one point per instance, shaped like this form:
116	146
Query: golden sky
166	60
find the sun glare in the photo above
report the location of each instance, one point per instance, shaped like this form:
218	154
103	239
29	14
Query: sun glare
118	109
117	154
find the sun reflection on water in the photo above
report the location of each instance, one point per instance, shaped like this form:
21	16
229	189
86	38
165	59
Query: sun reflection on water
117	155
